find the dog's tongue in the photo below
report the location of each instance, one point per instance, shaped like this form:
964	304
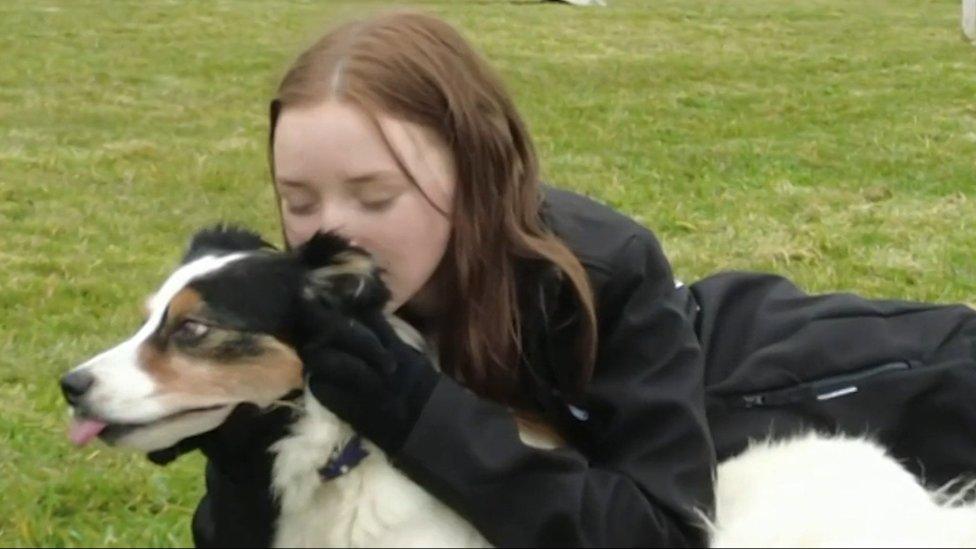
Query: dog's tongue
83	430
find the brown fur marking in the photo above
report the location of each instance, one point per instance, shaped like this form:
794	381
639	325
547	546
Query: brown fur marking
196	380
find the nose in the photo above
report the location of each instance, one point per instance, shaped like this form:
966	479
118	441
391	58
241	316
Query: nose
336	219
75	384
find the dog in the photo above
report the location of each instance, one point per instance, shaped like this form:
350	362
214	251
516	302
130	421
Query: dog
221	331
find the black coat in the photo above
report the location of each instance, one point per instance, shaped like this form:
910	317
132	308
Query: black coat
684	377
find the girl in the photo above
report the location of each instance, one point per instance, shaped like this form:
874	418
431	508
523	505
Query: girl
394	133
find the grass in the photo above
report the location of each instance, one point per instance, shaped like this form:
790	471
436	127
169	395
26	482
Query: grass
827	140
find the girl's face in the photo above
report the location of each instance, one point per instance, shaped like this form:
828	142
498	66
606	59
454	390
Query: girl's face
334	172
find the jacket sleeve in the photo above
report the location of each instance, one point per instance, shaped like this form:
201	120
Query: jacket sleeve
649	465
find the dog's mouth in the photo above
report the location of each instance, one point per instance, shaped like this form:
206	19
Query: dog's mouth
84	428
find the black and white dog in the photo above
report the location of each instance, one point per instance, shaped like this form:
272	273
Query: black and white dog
221	332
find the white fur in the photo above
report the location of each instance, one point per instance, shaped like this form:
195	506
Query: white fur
166	433
124	393
821	491
373	505
808	491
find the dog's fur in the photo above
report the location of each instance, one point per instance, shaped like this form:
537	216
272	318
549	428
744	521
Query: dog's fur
220	331
816	490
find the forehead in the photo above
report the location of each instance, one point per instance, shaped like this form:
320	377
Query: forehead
330	139
187	273
176	283
334	141
256	293
251	291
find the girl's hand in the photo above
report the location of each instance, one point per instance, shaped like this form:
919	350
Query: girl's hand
365	374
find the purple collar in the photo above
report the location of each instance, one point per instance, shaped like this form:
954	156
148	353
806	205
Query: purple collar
343	460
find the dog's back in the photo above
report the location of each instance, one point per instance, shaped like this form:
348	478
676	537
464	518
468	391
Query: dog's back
820	491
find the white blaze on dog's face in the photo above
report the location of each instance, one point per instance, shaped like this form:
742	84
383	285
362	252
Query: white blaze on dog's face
182	371
218	334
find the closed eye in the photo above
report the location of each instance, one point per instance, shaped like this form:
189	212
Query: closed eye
379	205
301	209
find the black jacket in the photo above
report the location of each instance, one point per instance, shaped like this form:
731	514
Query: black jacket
683	376
642	461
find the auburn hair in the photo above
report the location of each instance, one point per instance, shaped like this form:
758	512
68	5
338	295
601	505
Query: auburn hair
418	68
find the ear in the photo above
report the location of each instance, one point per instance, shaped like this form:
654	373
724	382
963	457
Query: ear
341	275
223	238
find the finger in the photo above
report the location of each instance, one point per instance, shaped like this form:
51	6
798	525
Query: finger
325	325
357	340
319	323
338	401
331	367
402	351
377	322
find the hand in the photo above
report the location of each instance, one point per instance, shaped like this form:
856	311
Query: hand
365	374
239	447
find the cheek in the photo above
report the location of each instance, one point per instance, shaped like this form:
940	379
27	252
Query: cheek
299	230
194	381
410	247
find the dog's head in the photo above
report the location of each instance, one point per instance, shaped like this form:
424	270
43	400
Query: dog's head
219	332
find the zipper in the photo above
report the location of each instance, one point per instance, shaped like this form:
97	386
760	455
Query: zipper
822	389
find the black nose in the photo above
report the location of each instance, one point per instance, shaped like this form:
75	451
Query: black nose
74	385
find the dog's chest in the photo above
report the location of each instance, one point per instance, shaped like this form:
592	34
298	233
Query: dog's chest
373	504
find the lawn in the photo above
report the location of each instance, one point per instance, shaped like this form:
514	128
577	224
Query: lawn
828	140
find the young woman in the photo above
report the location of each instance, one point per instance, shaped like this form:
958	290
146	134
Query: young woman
394	133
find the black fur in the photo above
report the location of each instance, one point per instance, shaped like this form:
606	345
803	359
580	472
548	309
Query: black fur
223	237
262	293
321	249
362	290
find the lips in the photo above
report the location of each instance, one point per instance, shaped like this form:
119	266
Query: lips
84	429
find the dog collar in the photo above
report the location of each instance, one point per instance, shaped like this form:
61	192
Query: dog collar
344	459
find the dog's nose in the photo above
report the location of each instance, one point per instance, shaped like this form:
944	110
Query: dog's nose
75	384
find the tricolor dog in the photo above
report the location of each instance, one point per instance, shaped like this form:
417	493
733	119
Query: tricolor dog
220	332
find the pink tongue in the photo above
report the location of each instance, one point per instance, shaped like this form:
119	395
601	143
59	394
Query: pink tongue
83	430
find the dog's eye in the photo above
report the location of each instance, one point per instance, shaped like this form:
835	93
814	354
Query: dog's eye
190	330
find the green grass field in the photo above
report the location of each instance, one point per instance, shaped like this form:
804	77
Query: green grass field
828	140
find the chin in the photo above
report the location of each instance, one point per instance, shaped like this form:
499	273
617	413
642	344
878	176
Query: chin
164	433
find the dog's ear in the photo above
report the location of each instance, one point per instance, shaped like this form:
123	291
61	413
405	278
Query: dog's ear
223	238
341	275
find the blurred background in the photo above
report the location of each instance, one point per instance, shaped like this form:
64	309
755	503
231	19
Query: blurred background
827	140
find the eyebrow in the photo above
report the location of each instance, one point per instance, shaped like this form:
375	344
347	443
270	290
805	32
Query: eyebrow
365	177
371	176
292	183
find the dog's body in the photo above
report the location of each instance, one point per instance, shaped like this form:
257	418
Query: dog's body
815	490
373	505
220	333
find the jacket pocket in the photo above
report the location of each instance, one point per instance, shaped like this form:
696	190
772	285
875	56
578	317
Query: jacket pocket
826	388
